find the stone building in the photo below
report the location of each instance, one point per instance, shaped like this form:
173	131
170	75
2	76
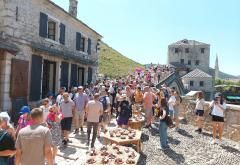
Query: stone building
190	53
43	47
197	80
216	69
191	60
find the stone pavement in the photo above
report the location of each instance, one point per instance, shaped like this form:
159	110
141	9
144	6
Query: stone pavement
186	147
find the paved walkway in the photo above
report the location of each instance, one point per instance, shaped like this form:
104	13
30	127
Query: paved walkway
186	147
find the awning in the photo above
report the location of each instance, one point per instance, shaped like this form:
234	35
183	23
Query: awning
192	93
233	97
8	46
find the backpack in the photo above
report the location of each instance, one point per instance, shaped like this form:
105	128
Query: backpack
166	94
103	100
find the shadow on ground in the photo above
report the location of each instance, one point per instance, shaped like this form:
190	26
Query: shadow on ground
184	133
230	149
178	158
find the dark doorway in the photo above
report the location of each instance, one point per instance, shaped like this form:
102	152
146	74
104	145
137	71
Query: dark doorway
81	76
64	74
90	75
49	77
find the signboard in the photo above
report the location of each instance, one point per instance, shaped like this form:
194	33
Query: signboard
19	78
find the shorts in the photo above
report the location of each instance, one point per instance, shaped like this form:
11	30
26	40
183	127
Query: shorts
173	113
217	118
66	123
199	112
148	113
122	121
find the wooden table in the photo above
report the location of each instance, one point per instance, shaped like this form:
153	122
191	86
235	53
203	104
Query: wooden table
136	123
124	156
117	140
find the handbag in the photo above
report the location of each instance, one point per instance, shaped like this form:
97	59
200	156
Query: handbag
169	121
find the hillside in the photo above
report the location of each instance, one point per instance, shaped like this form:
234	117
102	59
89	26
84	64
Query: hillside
113	63
223	75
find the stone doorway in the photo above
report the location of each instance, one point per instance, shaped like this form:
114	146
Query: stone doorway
49	77
80	76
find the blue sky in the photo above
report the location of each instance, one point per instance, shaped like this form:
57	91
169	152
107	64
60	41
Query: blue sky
142	29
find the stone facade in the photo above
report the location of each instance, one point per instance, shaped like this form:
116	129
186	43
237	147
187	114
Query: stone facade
232	118
193	54
20	25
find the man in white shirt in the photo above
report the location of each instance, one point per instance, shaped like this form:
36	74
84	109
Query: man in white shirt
171	103
94	109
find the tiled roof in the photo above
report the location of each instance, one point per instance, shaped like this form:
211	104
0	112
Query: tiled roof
178	65
196	73
188	42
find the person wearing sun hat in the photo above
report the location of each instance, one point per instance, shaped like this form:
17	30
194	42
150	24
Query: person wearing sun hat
25	119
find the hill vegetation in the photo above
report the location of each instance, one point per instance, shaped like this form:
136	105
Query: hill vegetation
113	64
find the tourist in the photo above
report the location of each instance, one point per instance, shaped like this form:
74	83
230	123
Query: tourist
45	107
147	105
176	109
171	103
81	100
59	98
163	124
138	95
94	109
67	109
105	117
24	120
53	120
7	125
199	111
34	142
218	106
50	98
7	144
124	112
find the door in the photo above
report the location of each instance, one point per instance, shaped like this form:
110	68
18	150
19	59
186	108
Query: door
81	76
64	75
89	75
74	80
49	77
36	73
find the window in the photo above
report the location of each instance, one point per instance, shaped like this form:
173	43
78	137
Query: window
197	62
186	50
52	30
191	83
189	62
182	61
82	44
176	50
202	50
201	83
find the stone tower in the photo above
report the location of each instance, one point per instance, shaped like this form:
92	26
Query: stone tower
216	68
73	7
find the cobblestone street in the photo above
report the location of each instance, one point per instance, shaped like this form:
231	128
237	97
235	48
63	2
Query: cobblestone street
186	147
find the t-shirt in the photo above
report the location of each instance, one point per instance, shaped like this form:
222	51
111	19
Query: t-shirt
81	100
216	110
7	142
171	102
45	112
95	109
200	104
32	141
59	99
138	96
66	108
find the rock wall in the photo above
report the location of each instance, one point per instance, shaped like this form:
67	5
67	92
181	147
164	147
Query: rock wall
232	118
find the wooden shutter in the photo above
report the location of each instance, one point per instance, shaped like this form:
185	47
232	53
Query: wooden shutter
62	34
43	24
89	75
78	40
36	73
89	46
73	75
64	75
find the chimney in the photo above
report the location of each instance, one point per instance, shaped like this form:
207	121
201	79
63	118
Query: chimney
73	7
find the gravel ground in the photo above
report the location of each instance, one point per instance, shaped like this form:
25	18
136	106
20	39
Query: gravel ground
187	147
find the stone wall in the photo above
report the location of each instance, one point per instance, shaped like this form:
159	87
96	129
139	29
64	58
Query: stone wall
193	55
232	118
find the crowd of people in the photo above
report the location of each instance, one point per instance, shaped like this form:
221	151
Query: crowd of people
42	130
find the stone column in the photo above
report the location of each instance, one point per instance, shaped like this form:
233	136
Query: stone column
5	77
58	76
